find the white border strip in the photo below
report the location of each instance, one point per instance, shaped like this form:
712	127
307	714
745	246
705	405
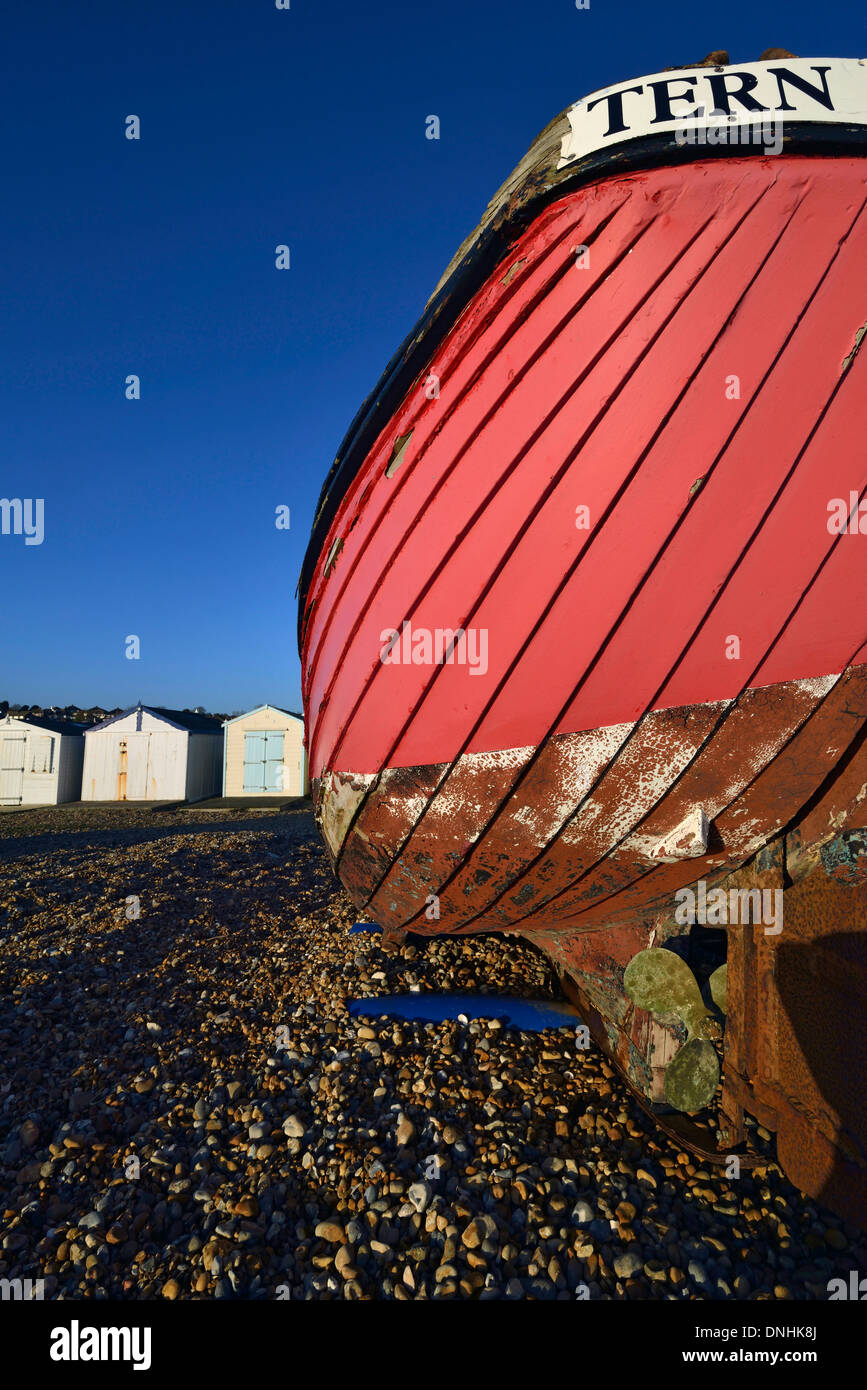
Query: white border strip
832	91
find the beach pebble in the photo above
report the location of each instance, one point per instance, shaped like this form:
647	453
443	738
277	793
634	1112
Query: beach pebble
330	1231
405	1130
419	1195
627	1263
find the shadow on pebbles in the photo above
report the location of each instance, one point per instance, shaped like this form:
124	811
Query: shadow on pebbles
187	1109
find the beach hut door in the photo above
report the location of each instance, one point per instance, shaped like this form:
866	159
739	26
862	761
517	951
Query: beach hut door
132	773
274	762
137	767
12	768
263	762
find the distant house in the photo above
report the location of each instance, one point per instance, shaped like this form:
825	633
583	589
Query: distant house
264	754
40	761
152	754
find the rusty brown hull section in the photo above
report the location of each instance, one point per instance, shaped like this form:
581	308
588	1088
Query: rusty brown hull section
580	833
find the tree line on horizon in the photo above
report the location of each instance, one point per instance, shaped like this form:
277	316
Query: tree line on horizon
79	714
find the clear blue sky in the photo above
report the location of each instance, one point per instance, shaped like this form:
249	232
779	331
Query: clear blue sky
156	257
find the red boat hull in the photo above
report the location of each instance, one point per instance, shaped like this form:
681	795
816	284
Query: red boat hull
688	389
583	624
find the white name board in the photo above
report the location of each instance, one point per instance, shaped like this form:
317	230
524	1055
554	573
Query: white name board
827	90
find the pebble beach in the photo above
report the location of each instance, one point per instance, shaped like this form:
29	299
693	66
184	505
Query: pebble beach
188	1110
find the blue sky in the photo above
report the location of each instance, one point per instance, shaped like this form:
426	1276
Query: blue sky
156	257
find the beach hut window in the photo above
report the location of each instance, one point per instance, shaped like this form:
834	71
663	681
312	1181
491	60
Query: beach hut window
42	755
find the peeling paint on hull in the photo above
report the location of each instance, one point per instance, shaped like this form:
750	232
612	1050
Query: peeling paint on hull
565	837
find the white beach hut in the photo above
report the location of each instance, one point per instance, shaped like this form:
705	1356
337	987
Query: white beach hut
40	761
153	754
265	754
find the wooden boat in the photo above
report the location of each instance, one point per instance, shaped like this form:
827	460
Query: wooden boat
582	618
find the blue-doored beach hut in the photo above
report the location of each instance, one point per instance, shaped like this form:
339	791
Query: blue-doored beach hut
264	753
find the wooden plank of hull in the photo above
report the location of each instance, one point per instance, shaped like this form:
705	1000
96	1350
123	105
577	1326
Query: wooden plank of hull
774	798
840	806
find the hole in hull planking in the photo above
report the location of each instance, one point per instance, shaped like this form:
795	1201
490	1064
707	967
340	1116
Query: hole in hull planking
397	453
